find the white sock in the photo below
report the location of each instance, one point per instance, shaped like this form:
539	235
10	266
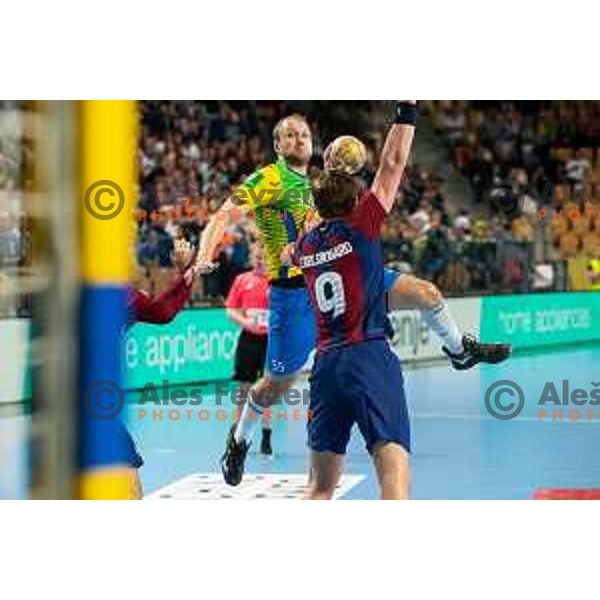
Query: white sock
247	424
440	321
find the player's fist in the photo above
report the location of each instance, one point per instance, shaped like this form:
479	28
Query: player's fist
203	266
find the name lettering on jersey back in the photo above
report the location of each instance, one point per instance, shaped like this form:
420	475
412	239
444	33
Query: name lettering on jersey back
314	260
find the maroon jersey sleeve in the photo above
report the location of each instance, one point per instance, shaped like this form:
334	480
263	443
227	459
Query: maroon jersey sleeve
162	308
368	215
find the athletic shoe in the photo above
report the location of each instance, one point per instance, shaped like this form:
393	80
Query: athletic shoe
475	352
265	444
232	461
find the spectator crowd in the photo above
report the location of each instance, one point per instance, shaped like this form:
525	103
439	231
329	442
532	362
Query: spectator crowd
529	157
513	155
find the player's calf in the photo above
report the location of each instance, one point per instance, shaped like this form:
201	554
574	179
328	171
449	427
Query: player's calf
325	473
410	292
392	464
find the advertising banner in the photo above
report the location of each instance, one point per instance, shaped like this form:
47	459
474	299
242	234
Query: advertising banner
198	345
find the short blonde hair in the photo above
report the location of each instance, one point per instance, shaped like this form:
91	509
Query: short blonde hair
279	124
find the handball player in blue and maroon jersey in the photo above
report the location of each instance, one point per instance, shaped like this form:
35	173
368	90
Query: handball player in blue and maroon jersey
356	377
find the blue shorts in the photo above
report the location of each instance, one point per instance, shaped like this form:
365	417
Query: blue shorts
359	383
389	278
292	331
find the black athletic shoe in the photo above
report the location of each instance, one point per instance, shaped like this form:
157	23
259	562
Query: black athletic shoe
265	443
232	462
475	353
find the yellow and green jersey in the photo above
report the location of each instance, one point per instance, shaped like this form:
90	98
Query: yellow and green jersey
280	199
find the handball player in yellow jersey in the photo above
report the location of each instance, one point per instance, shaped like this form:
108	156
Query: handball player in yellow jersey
280	198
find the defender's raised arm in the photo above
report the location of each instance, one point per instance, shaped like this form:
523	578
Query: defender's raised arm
394	155
214	232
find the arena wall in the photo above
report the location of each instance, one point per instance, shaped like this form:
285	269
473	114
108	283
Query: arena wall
199	345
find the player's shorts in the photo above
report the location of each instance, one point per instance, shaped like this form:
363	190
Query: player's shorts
292	330
359	383
389	278
250	355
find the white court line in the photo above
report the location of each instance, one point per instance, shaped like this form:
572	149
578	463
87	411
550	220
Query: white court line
210	486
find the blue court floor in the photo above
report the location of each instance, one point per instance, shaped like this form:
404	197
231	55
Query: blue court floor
459	450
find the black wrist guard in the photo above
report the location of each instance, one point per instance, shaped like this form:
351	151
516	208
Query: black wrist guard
405	114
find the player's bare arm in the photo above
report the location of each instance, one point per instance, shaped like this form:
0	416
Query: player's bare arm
238	316
394	155
214	232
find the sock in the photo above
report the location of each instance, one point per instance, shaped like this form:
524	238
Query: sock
246	425
441	322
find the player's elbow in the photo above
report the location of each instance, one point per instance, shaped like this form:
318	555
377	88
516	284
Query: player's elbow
391	163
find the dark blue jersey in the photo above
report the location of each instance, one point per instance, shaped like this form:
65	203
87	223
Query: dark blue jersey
342	262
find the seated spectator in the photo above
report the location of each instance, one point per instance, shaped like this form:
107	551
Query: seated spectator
147	250
577	171
10	241
164	249
462	221
436	249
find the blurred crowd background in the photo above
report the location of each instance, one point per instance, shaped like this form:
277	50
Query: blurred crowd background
16	179
485	237
467	215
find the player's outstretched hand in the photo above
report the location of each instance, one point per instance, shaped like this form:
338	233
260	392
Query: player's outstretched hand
183	252
200	267
203	267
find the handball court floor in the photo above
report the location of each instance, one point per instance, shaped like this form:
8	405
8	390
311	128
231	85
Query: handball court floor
459	450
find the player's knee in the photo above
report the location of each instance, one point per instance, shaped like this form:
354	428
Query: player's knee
429	295
269	389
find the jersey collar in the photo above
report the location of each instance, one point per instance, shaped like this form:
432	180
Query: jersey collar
281	162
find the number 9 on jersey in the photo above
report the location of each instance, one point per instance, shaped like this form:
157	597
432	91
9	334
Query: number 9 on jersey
329	291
